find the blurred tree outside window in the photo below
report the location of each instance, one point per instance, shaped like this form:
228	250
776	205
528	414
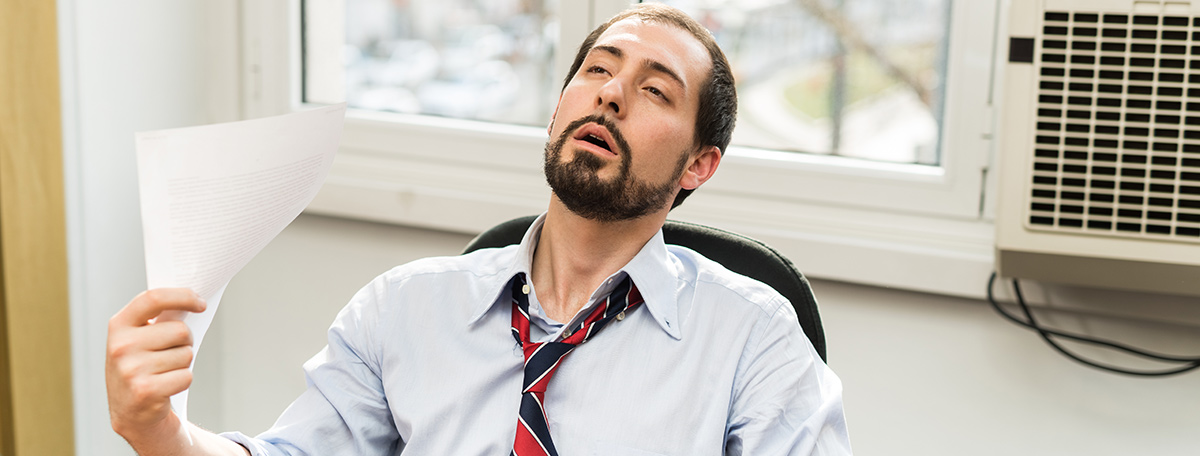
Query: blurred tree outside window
857	78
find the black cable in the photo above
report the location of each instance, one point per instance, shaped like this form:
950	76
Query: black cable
1046	336
1075	337
1190	363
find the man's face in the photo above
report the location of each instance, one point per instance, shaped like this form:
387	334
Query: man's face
623	131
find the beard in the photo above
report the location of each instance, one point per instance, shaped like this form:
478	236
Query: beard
623	197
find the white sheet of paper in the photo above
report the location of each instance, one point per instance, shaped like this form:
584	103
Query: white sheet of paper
213	196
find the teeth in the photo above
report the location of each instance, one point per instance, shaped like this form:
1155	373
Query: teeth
597	140
592	138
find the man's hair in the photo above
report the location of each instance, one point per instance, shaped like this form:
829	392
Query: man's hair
718	97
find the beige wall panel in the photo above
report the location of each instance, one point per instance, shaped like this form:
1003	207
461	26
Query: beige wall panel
38	418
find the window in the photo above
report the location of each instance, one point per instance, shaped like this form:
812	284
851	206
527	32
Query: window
859	80
854	78
450	99
464	59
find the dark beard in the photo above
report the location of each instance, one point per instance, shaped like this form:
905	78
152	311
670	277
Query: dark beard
580	189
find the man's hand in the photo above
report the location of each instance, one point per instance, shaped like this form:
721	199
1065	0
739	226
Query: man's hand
147	363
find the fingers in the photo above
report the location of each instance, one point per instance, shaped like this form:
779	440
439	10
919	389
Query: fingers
151	303
174	382
163	335
141	380
166	361
154	363
141	401
147	362
163	385
149	350
159	336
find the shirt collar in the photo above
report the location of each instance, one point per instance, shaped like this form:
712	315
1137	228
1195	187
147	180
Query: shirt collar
654	270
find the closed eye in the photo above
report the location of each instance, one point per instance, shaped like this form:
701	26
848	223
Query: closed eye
656	92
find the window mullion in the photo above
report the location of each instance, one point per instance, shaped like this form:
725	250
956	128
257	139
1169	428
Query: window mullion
270	59
322	43
574	25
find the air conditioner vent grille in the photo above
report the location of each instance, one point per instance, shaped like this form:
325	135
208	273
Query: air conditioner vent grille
1117	151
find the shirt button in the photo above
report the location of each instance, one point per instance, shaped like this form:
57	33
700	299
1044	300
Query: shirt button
566	334
621	316
525	289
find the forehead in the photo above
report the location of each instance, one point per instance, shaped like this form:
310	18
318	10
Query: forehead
667	44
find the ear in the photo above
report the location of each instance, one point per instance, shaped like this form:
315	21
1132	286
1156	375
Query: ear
701	168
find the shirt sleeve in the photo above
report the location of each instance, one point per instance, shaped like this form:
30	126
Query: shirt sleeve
343	411
786	400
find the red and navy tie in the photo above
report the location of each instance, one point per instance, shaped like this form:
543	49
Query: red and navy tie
543	358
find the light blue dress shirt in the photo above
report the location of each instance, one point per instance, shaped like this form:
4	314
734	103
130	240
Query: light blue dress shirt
422	360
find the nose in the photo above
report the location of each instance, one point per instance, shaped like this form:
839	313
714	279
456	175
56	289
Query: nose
611	97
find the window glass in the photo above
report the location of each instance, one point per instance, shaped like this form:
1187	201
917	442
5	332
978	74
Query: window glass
856	78
473	59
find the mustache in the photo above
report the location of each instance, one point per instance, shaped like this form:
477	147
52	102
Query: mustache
603	121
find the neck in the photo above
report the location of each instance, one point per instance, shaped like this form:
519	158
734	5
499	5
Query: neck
575	255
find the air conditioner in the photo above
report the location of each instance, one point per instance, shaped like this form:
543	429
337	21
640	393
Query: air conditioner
1099	145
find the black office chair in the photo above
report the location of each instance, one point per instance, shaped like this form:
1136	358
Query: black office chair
740	254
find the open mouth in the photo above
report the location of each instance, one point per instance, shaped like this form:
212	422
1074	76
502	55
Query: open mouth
597	135
597	141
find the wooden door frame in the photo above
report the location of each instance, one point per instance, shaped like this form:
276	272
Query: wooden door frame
36	416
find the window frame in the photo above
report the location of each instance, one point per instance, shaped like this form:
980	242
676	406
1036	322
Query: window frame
395	168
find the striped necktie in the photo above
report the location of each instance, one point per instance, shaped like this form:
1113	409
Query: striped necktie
543	358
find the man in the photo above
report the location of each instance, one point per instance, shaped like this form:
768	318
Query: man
669	353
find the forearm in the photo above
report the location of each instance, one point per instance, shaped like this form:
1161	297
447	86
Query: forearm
187	439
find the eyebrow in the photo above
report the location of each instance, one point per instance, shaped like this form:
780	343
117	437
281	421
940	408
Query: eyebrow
652	65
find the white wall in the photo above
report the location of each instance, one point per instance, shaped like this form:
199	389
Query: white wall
931	375
127	66
924	374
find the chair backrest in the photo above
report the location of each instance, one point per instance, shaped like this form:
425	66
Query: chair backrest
738	253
